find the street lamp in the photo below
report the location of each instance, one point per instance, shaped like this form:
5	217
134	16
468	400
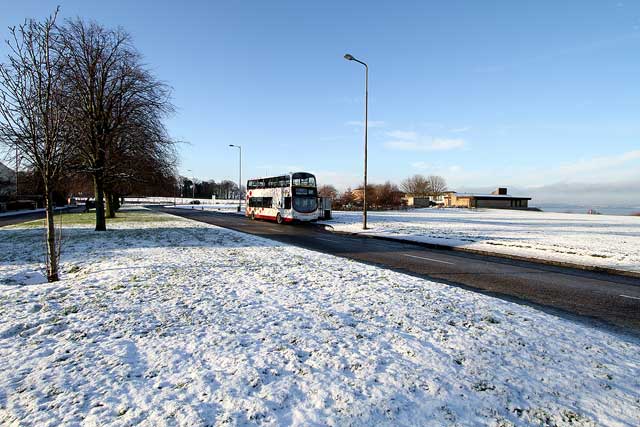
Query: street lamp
366	125
239	175
17	166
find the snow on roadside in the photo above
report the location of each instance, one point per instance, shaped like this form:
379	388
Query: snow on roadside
593	240
181	323
221	208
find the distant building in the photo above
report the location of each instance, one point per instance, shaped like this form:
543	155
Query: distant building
426	201
498	199
7	181
358	194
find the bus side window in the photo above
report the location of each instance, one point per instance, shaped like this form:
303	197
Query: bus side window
287	202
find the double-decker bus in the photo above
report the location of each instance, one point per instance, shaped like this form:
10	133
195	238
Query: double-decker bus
284	198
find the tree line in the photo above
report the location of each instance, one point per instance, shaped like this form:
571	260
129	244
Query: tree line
387	195
206	189
77	103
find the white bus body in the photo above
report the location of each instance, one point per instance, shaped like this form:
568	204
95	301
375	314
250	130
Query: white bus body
283	198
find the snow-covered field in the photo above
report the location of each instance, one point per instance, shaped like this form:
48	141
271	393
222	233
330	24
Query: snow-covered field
166	321
179	200
593	240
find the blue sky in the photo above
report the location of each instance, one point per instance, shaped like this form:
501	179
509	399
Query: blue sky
484	93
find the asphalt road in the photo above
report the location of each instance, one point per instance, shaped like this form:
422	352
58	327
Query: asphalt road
31	216
600	299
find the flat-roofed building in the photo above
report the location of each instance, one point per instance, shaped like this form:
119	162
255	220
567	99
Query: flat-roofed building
426	201
498	199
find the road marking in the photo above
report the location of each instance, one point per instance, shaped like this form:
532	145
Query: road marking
627	296
277	230
428	259
328	240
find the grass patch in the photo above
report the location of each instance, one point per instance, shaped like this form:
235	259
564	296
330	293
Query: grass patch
89	218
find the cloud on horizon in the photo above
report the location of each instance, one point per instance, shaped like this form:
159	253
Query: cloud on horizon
620	193
599	163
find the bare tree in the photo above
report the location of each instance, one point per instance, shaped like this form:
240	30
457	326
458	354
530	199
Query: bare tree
388	195
346	199
113	93
142	156
34	113
437	185
416	185
328	191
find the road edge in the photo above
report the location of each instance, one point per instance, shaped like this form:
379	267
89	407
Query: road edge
593	268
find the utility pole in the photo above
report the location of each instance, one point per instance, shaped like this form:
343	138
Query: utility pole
17	166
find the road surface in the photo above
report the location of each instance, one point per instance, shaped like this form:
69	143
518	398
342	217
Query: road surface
31	216
581	295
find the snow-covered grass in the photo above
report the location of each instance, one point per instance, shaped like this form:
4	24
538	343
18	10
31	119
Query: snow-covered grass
174	322
592	240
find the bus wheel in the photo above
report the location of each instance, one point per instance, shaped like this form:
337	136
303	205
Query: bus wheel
253	216
279	218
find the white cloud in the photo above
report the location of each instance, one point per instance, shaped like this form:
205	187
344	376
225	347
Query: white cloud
412	141
421	165
436	144
460	130
402	134
437	169
371	123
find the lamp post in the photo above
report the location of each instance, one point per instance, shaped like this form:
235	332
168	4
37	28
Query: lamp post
17	166
366	125
239	175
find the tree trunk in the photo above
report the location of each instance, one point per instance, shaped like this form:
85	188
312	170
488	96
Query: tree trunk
52	255
98	185
110	205
116	202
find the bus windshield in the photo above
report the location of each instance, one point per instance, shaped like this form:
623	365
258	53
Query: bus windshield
303	179
305	204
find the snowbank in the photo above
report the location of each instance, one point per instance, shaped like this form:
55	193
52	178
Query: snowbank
181	323
594	240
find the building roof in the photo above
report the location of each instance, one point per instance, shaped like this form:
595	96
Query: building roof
490	196
6	172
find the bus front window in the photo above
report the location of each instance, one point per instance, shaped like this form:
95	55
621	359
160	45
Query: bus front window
305	204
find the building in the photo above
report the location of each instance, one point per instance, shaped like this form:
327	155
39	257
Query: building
498	199
426	201
7	181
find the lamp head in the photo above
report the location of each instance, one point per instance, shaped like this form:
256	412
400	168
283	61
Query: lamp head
348	57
